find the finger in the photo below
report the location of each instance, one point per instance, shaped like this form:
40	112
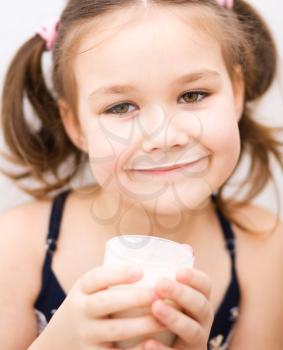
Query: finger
183	326
139	346
196	279
192	301
153	344
109	275
113	300
145	345
124	328
108	345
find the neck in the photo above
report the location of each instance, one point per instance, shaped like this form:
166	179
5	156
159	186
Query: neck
125	218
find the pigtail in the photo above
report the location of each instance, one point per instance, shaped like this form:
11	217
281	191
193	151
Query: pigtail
260	61
262	143
36	150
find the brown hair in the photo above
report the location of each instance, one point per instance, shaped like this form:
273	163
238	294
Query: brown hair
245	39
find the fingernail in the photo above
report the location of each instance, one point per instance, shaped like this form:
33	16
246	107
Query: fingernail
155	295
184	274
134	272
165	285
161	308
150	346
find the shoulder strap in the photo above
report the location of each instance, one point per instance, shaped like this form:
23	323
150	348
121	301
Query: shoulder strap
47	280
228	235
227	312
55	220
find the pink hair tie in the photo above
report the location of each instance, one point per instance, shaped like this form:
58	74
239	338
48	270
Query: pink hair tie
226	3
48	32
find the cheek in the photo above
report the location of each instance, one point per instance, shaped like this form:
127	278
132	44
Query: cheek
221	133
106	149
221	136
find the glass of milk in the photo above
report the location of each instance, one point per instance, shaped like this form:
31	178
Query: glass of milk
158	258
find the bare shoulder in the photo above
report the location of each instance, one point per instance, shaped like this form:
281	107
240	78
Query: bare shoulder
263	236
23	231
259	266
261	245
24	227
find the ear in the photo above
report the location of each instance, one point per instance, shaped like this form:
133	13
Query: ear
72	125
239	91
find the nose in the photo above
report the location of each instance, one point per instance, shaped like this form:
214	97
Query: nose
168	132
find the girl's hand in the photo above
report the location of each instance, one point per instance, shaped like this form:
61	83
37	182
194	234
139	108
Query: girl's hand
82	321
191	291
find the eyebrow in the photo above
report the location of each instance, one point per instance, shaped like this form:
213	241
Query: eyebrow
121	89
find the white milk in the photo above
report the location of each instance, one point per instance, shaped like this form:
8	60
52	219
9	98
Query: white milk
158	258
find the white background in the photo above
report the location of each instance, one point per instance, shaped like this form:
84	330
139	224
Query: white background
19	19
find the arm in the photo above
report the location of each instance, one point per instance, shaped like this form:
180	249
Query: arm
82	321
260	271
19	276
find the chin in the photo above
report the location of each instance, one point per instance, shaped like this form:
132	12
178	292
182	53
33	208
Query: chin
174	201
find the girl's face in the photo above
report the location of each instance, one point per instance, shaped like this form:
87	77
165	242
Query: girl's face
156	92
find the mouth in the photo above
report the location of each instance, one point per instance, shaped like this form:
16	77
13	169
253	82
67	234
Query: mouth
174	169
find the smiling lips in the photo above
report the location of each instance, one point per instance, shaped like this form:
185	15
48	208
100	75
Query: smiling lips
171	168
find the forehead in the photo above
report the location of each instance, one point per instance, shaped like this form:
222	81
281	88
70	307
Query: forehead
161	42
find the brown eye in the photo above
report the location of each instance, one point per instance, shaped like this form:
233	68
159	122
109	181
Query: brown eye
193	96
122	108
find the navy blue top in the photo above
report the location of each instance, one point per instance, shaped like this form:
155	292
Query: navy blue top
52	295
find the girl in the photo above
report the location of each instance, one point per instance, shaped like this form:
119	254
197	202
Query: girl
186	71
